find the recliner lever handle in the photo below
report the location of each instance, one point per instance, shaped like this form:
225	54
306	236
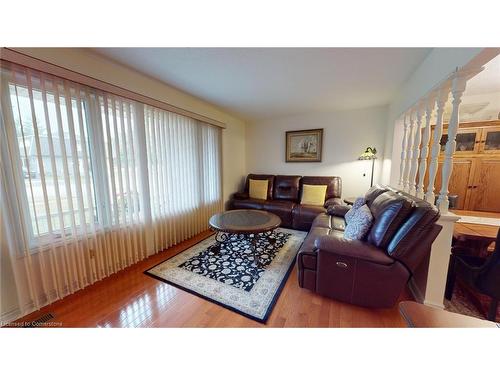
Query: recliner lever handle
341	264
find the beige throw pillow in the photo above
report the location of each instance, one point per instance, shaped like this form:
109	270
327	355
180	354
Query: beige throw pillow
258	189
313	195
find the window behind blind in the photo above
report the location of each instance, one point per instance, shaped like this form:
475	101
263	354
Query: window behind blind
98	180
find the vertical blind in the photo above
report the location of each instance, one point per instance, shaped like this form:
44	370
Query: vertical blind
93	182
183	174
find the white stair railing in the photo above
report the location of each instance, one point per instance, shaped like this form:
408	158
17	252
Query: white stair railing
416	144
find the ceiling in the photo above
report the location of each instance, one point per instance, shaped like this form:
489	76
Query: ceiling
263	83
481	98
487	81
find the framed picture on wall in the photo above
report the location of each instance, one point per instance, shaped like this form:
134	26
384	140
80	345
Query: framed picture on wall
304	145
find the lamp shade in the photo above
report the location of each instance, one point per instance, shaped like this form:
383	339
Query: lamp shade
369	154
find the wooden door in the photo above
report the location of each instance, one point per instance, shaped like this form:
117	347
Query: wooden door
460	180
485	194
490	140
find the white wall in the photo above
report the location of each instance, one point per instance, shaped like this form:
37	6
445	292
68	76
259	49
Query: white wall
346	135
87	62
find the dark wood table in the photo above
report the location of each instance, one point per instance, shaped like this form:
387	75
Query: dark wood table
476	236
417	315
246	225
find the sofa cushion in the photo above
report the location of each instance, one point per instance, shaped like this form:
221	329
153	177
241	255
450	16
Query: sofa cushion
322	221
389	210
338	223
304	215
359	224
257	189
313	195
411	232
248	204
373	193
283	209
286	188
268	177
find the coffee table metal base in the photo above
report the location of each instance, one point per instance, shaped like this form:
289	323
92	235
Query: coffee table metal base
223	238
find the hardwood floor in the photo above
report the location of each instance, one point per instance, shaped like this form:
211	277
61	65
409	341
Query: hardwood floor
132	299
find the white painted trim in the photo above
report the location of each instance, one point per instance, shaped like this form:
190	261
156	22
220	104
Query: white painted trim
438	306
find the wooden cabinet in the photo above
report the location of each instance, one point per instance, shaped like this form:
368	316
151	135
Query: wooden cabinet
486	185
460	181
475	176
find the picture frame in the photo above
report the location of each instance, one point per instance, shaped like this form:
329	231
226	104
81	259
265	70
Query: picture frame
304	145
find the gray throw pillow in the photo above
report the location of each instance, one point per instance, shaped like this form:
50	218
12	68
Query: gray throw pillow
356	205
359	224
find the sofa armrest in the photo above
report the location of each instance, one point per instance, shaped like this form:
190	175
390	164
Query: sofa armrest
351	248
333	202
240	195
338	210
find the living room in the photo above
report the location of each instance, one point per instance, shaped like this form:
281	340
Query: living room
262	185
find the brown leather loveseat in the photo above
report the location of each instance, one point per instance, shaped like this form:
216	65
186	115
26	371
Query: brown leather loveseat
283	198
374	271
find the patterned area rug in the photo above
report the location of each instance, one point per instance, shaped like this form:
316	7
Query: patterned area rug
233	277
461	304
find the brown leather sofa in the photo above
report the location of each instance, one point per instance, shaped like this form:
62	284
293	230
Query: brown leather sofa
283	198
371	272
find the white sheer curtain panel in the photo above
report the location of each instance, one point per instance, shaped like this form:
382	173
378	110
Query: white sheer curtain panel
92	182
184	175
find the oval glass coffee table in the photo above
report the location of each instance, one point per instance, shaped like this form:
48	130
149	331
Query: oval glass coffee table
246	225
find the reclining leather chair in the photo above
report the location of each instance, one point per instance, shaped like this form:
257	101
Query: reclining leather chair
374	271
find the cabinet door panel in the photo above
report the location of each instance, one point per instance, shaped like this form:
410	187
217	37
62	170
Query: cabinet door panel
467	140
490	140
486	192
459	181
